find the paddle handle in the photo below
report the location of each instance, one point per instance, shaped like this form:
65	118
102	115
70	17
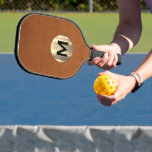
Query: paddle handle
100	54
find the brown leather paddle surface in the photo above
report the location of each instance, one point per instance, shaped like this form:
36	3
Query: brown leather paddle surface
51	46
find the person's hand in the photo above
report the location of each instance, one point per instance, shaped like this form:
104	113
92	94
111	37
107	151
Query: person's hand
109	60
125	86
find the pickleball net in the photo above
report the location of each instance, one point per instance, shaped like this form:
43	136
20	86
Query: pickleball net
75	139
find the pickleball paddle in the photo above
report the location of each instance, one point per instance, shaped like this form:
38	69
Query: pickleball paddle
51	46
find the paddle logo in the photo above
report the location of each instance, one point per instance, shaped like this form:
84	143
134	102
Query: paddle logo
61	48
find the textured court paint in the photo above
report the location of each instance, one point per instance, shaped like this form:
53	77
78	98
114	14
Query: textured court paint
28	99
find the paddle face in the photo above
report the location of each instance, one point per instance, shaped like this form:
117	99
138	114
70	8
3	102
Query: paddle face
50	46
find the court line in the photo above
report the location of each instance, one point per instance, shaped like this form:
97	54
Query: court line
137	53
6	52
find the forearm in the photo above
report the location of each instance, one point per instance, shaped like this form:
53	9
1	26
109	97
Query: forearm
145	69
127	36
129	29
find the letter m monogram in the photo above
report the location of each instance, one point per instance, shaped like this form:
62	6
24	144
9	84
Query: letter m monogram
60	52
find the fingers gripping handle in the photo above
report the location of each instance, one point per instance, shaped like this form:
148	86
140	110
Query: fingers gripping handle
100	54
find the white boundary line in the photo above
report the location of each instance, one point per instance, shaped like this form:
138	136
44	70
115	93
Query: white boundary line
6	53
137	53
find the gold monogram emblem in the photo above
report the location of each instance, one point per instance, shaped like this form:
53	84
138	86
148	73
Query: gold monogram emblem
61	48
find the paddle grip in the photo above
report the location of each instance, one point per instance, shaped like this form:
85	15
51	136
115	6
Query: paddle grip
100	54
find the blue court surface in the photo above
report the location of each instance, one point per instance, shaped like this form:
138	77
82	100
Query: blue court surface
27	99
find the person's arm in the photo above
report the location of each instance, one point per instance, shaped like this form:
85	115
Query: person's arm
145	69
127	83
126	36
129	29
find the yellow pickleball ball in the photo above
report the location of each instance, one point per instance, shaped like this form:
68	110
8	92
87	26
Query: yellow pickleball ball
105	85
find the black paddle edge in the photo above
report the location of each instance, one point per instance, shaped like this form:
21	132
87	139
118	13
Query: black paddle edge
17	43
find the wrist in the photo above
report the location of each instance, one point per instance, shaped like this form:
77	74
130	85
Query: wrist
124	43
138	81
116	47
132	81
